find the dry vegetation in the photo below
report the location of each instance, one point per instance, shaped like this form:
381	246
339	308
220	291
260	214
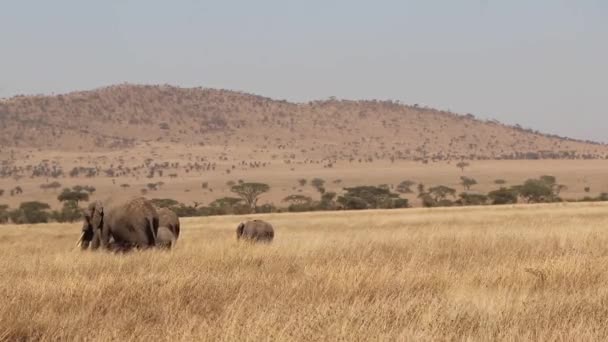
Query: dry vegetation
482	274
166	142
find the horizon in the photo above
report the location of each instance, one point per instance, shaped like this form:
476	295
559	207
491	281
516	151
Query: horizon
538	65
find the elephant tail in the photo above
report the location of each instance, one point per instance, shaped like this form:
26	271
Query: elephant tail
152	230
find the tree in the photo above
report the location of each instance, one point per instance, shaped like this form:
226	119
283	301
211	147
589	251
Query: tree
462	165
302	182
537	191
30	212
298	203
500	182
405	187
72	195
54	185
421	189
226	206
371	197
4	214
472	199
69	213
441	192
503	196
467	182
318	184
226	202
250	192
328	201
297	199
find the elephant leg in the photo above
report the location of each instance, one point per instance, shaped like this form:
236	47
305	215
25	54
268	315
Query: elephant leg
95	241
105	237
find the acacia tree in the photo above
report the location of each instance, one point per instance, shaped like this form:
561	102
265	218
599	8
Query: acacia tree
318	184
250	192
467	182
72	195
462	165
405	187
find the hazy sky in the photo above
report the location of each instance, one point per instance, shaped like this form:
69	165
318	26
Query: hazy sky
540	63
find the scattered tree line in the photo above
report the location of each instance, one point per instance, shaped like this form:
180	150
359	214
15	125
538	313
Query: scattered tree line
544	189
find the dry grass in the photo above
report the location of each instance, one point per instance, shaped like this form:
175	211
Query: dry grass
481	274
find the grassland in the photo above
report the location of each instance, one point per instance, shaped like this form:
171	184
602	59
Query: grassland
479	274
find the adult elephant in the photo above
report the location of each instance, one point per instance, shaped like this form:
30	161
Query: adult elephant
168	228
130	222
256	230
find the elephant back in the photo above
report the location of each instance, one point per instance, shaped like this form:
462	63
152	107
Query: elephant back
256	230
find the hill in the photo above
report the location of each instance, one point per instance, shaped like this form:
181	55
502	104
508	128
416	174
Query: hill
125	116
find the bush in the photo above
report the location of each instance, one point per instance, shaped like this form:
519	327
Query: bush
472	199
69	213
30	212
371	197
4	214
503	196
164	202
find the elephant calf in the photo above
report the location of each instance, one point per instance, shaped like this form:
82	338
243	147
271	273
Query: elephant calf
168	228
256	230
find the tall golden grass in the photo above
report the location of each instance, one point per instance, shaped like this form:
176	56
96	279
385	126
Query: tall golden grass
478	274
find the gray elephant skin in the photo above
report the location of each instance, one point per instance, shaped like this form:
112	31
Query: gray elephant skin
168	228
130	222
256	231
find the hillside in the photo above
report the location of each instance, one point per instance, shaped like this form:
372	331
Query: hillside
124	116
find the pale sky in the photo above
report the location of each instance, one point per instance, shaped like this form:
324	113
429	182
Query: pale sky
540	63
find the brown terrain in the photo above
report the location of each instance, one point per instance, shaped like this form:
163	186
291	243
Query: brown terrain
187	144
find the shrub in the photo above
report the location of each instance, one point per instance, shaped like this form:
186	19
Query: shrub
472	199
164	202
503	196
371	197
69	213
30	212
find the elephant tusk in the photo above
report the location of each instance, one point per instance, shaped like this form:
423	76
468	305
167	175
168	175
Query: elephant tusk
80	240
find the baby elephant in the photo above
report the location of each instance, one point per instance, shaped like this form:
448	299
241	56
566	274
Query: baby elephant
256	230
168	228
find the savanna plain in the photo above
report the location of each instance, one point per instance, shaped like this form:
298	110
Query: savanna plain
514	273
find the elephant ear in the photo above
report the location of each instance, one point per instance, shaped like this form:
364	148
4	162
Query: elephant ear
239	230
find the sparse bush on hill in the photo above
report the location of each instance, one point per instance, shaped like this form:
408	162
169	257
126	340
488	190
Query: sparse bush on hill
54	185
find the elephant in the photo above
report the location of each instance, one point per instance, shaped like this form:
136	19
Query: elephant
165	238
256	230
168	228
130	222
